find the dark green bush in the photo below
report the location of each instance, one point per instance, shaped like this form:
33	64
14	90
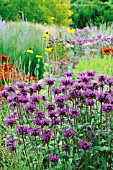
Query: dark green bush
95	12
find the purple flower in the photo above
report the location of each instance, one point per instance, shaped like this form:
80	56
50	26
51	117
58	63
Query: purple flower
10	141
85	145
36	99
10	88
66	148
102	78
46	135
62	111
22	130
30	107
34	131
60	98
93	136
12	147
55	121
91	73
68	133
50	81
40	114
89	129
74	112
90	102
66	81
69	73
52	114
50	106
38	87
10	121
21	85
54	158
108	108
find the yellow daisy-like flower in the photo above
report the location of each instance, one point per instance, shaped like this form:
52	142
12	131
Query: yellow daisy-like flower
38	56
63	26
52	18
48	49
46	35
45	23
71	31
29	51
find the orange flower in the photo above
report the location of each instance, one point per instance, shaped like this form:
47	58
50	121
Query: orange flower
3	56
107	50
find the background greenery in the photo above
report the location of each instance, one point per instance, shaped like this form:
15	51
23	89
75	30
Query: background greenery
59	12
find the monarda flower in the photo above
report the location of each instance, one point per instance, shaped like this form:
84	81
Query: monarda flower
74	112
108	108
85	145
50	81
69	73
46	135
34	131
50	106
68	133
90	102
66	81
22	130
54	158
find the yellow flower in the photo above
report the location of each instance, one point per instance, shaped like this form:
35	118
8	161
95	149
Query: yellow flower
46	35
71	31
45	23
38	56
63	26
48	49
52	18
29	51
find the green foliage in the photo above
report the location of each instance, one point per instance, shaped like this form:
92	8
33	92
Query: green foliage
50	11
16	39
101	65
96	12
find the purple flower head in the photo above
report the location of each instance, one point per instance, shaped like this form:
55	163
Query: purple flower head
91	73
10	88
12	147
54	158
69	73
34	131
74	93
62	111
78	86
74	112
90	102
46	135
38	87
5	94
93	136
89	94
44	98
30	107
60	98
40	114
50	106
101	96
50	81
109	81
68	132
24	91
21	85
89	129
108	108
10	141
66	81
22	130
31	89
55	121
10	121
85	145
85	79
66	148
36	99
56	90
102	78
52	114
